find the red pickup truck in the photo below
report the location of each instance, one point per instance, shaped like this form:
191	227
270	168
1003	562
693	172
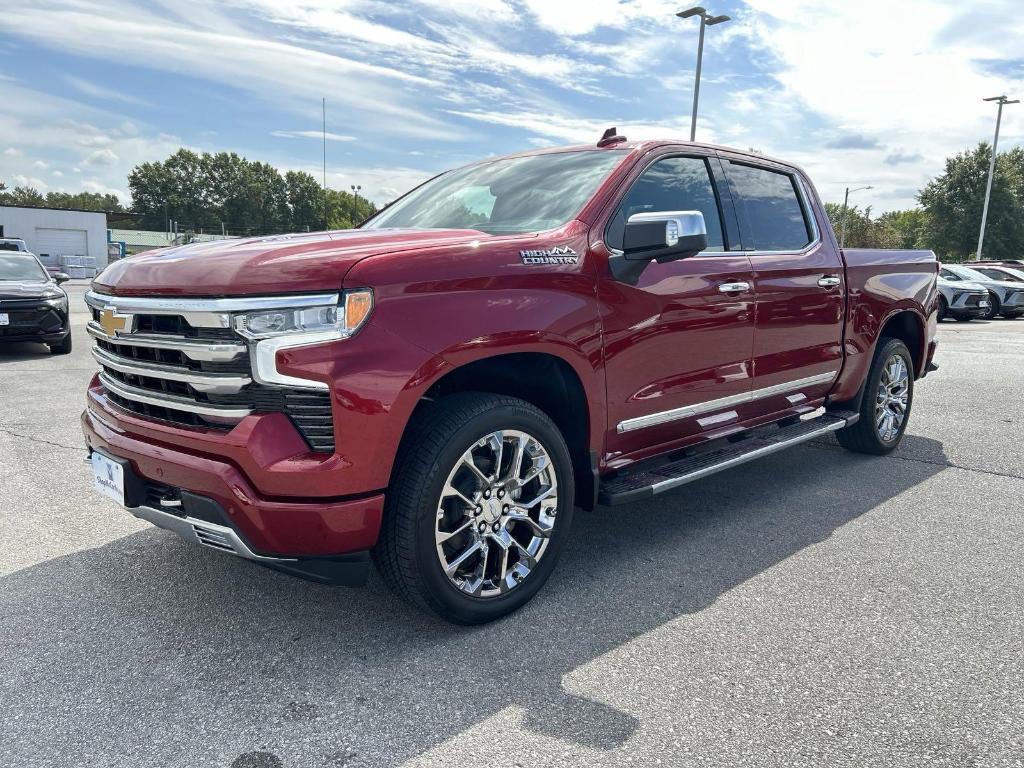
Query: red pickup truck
438	389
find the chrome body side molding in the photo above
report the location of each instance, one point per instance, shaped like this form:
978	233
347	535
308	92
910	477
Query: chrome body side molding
689	411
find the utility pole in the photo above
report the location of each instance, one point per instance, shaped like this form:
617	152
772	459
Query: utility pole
842	217
324	105
705	21
1001	100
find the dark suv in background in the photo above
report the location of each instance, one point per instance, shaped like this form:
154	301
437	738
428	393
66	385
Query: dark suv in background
33	306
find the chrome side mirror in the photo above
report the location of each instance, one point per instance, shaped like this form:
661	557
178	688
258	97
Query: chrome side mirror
660	236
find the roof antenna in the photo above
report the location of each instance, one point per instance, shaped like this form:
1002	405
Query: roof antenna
610	138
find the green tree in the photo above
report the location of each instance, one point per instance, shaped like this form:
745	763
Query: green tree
305	201
22	196
88	201
210	191
905	228
953	203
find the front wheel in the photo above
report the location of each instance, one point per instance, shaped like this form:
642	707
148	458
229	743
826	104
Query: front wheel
885	408
479	506
994	308
64	348
943	309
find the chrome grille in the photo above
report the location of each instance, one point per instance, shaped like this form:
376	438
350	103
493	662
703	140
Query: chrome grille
185	365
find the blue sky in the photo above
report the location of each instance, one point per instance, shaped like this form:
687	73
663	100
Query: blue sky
858	93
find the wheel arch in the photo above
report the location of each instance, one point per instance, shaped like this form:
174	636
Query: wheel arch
545	380
909	327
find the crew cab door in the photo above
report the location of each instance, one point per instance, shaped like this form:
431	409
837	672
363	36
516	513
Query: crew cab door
800	285
683	335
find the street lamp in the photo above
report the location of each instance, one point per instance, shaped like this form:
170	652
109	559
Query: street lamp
1001	100
355	202
705	21
842	218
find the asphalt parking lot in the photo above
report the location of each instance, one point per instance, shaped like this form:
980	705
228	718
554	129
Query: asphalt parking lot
815	608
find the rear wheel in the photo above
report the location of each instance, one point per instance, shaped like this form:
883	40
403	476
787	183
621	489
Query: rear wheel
479	507
885	408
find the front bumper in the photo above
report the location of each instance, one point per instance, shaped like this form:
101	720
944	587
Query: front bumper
268	526
33	320
348	570
968	311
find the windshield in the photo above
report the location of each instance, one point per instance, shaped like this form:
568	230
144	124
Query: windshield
18	266
510	196
1003	273
967	273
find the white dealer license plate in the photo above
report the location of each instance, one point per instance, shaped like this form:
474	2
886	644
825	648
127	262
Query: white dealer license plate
108	477
5	319
983	303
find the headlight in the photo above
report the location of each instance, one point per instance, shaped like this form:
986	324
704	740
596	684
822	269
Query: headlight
274	330
337	321
56	298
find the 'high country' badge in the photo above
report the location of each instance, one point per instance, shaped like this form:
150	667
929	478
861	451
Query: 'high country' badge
560	255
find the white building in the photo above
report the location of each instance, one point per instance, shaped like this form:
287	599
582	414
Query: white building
53	233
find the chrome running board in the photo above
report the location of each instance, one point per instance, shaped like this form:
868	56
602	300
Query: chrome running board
628	487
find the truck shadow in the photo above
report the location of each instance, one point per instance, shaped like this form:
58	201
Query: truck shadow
222	658
18	351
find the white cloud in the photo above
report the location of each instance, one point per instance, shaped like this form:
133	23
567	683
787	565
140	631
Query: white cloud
100	92
580	17
21	180
913	83
40	165
102	157
94	185
12	152
311	135
581	130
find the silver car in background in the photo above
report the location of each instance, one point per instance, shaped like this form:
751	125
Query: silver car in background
1005	298
961	300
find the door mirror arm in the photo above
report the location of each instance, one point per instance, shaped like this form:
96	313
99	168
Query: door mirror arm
661	236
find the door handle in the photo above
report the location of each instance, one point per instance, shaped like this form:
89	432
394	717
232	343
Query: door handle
733	287
829	281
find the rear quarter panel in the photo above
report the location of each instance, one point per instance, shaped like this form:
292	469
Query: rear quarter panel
881	284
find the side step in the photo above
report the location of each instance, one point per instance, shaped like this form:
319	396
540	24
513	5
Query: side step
627	488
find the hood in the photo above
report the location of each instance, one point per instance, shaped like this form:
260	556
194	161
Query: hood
27	289
300	263
963	285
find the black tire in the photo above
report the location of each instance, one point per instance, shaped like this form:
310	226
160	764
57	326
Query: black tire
64	348
864	437
943	308
963	318
435	440
994	308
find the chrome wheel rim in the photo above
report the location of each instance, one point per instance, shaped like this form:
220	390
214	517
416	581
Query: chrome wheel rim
496	513
893	398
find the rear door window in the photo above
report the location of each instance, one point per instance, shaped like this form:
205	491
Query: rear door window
671	184
771	208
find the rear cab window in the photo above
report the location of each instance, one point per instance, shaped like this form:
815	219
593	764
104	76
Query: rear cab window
772	209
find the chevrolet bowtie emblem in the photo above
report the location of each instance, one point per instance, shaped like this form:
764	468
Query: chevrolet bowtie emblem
114	324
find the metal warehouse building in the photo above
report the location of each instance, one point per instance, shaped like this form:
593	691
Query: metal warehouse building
52	233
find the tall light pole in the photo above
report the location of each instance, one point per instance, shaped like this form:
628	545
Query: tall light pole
1001	100
842	217
705	21
355	203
